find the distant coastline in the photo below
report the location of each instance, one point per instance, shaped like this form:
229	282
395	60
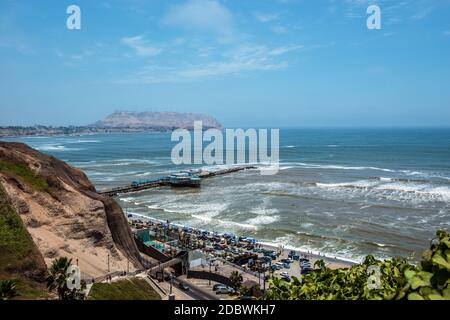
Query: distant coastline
16	131
119	122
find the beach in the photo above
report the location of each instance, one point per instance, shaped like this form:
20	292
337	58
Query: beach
330	262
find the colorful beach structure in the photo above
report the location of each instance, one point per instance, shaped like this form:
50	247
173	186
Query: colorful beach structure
184	179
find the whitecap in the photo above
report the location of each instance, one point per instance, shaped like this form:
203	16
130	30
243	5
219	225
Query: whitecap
262	220
128	199
55	147
264	211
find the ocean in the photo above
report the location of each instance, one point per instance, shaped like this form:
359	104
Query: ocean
343	192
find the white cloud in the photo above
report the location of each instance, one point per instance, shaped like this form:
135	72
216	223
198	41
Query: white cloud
201	15
279	29
422	12
285	49
75	58
233	52
267	17
271	19
11	34
140	46
240	59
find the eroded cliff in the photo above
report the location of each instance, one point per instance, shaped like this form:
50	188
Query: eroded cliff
64	214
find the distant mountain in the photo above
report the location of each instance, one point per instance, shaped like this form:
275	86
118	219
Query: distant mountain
156	120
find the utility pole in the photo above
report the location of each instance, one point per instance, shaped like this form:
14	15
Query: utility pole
171	295
109	269
264	275
209	272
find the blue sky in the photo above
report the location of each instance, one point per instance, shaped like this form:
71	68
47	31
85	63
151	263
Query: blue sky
268	63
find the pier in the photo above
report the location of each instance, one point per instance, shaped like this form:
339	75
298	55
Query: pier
164	181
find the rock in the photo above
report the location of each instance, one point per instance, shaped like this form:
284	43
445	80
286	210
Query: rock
33	223
51	253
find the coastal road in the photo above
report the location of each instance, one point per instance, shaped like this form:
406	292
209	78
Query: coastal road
195	292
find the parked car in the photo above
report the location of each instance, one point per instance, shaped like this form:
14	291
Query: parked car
224	290
286	278
286	260
218	285
275	267
284	273
183	286
268	253
273	256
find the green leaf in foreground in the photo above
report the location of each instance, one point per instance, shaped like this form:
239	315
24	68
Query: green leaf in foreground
398	279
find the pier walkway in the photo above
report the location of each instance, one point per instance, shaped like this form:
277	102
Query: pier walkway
134	187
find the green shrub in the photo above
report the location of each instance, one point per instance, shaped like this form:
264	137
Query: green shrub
17	252
398	279
23	173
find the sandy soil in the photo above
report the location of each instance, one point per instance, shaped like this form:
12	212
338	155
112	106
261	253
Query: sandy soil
51	225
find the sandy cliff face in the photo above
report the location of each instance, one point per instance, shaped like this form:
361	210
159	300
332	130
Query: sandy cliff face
64	214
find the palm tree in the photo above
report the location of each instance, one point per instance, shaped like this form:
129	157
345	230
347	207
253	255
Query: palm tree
57	278
236	279
8	289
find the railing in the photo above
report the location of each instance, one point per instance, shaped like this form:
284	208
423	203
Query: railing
166	264
253	273
120	273
204	275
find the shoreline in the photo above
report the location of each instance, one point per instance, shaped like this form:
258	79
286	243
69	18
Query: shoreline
332	261
315	255
81	133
